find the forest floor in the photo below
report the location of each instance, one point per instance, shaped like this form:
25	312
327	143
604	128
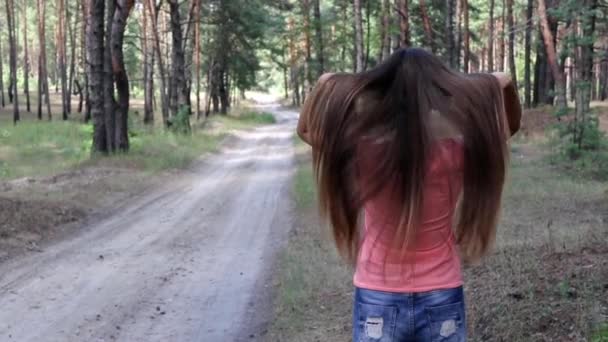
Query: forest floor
185	256
546	281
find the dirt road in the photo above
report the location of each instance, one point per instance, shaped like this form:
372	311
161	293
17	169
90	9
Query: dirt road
188	262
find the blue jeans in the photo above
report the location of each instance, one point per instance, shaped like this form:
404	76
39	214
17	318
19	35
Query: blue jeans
398	317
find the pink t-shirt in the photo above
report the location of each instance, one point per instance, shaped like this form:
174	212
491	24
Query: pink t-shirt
435	262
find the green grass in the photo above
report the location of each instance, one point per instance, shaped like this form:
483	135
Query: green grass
41	148
601	335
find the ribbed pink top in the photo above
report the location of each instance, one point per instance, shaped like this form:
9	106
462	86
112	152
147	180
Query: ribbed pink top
436	262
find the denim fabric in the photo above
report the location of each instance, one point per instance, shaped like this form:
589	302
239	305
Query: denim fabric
436	316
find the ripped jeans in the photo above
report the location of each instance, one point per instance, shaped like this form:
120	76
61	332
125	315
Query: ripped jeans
398	317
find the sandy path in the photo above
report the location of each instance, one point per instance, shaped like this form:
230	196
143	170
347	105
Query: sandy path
183	263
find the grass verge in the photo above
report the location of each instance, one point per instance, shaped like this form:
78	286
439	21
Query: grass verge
41	148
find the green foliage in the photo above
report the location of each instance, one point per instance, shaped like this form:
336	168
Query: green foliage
180	123
601	335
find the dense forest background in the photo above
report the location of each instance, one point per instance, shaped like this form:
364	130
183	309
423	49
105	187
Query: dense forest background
186	59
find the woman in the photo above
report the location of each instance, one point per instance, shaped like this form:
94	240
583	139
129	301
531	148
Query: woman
410	160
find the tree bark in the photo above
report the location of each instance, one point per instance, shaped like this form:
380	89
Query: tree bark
404	24
95	60
320	50
72	34
87	108
491	37
449	32
148	72
121	136
43	80
153	12
358	36
385	37
26	61
197	56
551	55
527	56
109	102
426	23
466	38
61	57
305	7
504	32
1	78
179	89
511	28
10	16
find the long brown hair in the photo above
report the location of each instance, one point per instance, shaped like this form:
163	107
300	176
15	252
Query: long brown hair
393	102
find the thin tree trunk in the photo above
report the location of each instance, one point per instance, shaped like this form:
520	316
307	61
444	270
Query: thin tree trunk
26	61
43	79
512	66
404	23
449	32
491	38
181	93
108	84
426	23
121	136
72	34
527	56
305	7
148	55
358	36
197	55
502	38
385	40
2	77
320	50
161	67
467	50
85	20
95	60
458	49
551	55
10	16
61	56
368	24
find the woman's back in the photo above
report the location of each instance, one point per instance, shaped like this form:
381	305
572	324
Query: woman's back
434	261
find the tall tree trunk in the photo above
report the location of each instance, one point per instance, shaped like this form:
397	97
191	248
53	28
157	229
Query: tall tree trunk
491	37
319	48
502	37
385	28
181	93
72	34
61	57
95	60
148	56
121	136
358	36
85	9
458	49
108	84
466	38
527	57
153	13
197	55
426	23
404	23
10	16
511	28
449	33
43	78
26	61
307	48
558	76
2	77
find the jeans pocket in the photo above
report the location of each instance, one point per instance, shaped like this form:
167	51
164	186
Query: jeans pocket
447	323
375	323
